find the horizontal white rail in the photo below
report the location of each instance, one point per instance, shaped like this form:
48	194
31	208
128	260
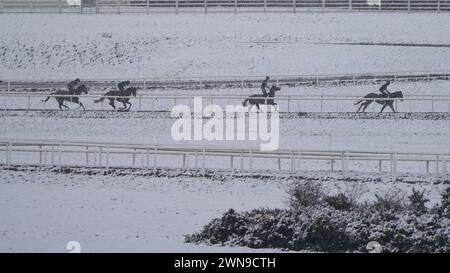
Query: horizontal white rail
153	102
148	6
51	153
234	81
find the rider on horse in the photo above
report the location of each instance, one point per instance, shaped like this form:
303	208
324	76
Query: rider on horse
73	85
383	89
122	85
264	86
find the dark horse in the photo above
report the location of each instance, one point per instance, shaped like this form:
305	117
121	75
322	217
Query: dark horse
120	96
258	99
68	96
371	97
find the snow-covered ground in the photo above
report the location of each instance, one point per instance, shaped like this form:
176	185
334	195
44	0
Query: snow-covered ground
186	45
42	211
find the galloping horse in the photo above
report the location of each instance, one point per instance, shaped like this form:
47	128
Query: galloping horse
67	96
374	96
258	99
120	96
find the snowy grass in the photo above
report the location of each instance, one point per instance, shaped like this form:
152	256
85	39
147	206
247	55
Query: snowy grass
186	45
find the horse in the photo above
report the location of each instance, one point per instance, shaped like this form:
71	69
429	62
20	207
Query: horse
258	99
67	96
374	96
120	96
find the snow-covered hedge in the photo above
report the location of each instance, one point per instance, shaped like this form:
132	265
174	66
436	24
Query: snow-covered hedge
319	222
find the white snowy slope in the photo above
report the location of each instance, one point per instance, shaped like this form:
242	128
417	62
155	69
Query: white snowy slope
164	45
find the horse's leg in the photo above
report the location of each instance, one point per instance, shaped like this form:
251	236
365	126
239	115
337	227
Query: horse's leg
81	105
382	108
392	107
359	108
129	106
111	102
366	105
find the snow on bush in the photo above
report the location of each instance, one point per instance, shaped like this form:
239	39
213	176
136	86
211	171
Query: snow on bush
334	223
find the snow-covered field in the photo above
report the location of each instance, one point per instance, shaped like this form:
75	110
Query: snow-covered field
186	45
41	209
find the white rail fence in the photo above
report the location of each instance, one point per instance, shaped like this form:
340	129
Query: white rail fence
233	81
149	6
108	155
33	101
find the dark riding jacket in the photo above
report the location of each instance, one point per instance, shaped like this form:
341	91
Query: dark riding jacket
72	85
122	85
263	87
383	89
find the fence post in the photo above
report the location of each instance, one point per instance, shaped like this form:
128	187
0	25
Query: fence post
235	6
87	156
279	163
323	4
40	155
437	164
439	5
28	103
292	161
118	6
148	8
409	6
8	153
97	7
107	157
203	161
53	155
1	6
350	5
265	5
100	155
206	6
379	7
294	6
134	158
299	160
176	6
60	155
155	157
251	160
59	6
394	167
31	6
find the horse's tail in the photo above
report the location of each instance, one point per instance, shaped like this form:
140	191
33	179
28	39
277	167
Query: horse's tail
244	103
99	100
358	102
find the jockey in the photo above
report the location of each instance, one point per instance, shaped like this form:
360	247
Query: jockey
264	86
383	89
122	85
72	85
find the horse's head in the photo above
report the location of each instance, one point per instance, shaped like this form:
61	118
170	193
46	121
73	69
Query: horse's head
275	88
398	94
82	89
